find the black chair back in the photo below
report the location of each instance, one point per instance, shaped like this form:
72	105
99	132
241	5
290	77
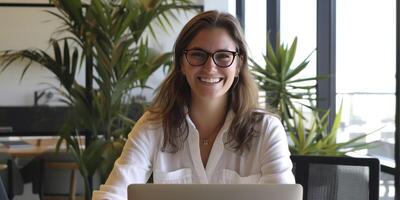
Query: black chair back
337	178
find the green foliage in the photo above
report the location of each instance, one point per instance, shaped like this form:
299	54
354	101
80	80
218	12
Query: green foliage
319	139
279	79
110	38
286	93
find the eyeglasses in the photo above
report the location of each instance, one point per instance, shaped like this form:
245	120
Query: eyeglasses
198	57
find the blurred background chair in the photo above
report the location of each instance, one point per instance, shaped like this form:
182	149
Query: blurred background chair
59	177
337	178
10	176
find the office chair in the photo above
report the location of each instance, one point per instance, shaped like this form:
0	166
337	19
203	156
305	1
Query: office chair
58	177
337	178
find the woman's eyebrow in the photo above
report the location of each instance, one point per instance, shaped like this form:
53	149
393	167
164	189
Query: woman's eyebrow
197	48
221	49
227	49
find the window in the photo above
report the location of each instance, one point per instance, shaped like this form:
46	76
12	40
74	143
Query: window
256	35
300	23
357	46
365	72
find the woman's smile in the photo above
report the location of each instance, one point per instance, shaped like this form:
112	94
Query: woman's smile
210	80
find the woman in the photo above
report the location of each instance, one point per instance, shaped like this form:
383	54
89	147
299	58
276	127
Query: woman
204	125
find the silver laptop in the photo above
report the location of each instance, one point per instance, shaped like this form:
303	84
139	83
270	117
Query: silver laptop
215	192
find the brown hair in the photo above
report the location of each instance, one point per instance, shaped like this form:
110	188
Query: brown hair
174	93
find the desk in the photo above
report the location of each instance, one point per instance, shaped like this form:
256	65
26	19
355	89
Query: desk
26	152
38	147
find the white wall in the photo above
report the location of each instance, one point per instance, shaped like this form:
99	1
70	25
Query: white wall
24	28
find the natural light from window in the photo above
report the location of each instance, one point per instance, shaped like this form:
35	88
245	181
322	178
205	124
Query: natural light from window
365	77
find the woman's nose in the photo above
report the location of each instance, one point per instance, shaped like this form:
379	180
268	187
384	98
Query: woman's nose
210	64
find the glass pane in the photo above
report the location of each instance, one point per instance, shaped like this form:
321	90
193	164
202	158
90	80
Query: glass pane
365	72
366	46
361	115
298	18
256	34
386	187
256	29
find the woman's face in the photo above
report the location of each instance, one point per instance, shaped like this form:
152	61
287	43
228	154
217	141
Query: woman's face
209	81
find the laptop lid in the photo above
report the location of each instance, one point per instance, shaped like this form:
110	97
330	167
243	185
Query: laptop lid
215	192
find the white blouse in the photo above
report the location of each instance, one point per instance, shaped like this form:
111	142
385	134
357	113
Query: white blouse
267	161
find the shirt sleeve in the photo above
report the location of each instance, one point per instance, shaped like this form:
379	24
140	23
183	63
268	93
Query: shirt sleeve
133	166
276	166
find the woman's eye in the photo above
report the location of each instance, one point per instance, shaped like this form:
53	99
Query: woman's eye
222	56
198	56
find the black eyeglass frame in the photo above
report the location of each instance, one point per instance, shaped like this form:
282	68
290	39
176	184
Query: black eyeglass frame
234	53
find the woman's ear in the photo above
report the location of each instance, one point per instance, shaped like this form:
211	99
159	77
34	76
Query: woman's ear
237	71
239	66
183	71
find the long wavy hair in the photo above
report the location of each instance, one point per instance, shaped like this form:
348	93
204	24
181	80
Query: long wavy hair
173	96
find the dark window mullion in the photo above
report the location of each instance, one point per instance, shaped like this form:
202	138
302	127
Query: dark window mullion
326	56
397	114
240	12
273	20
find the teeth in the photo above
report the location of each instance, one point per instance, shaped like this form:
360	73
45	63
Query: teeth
210	80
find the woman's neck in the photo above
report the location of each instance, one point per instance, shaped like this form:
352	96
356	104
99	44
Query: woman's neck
208	115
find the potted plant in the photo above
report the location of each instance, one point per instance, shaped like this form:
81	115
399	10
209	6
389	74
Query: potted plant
287	94
280	80
106	37
318	139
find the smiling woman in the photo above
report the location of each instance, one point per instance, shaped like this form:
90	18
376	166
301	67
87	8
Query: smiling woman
204	125
210	78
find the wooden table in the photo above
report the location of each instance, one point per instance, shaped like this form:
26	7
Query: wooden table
39	146
26	152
